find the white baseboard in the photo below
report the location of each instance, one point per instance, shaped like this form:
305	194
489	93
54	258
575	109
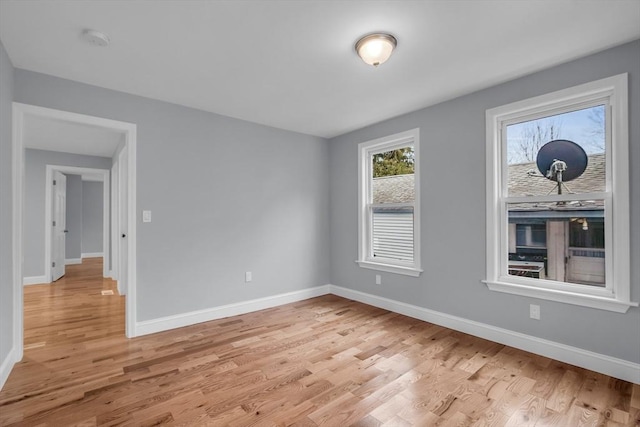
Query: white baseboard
35	280
179	320
6	366
607	365
92	254
71	261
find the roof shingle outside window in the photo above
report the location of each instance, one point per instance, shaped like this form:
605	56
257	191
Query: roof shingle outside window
591	181
394	189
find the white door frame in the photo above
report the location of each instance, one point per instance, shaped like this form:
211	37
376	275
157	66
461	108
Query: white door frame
121	219
115	222
106	212
20	111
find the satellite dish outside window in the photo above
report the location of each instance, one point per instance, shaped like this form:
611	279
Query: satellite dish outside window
561	161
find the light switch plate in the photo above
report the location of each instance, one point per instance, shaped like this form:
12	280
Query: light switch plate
146	216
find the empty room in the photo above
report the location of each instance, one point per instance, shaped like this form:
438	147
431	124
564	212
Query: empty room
320	213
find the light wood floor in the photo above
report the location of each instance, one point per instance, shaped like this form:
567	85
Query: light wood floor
324	361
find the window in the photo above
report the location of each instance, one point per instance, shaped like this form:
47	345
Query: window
389	220
561	239
531	236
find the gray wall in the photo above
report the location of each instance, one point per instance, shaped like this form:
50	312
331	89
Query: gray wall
92	213
6	206
73	246
453	213
227	196
34	206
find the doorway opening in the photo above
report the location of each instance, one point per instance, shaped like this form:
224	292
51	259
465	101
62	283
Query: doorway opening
124	197
56	230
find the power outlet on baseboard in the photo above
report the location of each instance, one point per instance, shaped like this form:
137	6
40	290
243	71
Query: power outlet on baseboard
378	279
534	311
248	276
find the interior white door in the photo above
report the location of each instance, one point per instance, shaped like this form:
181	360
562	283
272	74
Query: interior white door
123	208
59	225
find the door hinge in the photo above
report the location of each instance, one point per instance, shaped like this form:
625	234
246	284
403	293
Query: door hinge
54	182
53	264
54	223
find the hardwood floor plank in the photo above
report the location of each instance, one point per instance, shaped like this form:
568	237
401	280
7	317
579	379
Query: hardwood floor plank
529	413
324	361
564	393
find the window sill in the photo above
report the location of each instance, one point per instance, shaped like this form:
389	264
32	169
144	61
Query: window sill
390	268
602	303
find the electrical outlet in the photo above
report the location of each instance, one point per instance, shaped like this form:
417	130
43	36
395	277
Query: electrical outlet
378	279
534	311
247	276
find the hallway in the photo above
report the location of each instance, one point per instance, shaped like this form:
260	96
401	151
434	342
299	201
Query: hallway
72	310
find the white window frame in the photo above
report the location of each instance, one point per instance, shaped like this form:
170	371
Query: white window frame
410	138
615	295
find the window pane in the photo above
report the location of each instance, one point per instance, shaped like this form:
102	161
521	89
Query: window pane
584	127
393	179
393	233
531	235
558	241
586	233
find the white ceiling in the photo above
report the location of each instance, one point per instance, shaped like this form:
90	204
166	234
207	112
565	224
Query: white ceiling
57	135
291	64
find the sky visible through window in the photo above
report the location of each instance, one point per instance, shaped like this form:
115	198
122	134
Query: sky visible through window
585	127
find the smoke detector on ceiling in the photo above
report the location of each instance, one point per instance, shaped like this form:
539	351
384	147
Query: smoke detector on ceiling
95	38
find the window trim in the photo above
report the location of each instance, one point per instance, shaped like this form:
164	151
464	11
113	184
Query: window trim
365	220
616	294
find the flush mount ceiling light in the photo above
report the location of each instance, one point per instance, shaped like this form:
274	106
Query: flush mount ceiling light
375	49
95	38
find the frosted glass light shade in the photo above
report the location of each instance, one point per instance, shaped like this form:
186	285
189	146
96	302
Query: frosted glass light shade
375	49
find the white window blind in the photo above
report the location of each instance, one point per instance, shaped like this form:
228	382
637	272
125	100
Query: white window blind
393	235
